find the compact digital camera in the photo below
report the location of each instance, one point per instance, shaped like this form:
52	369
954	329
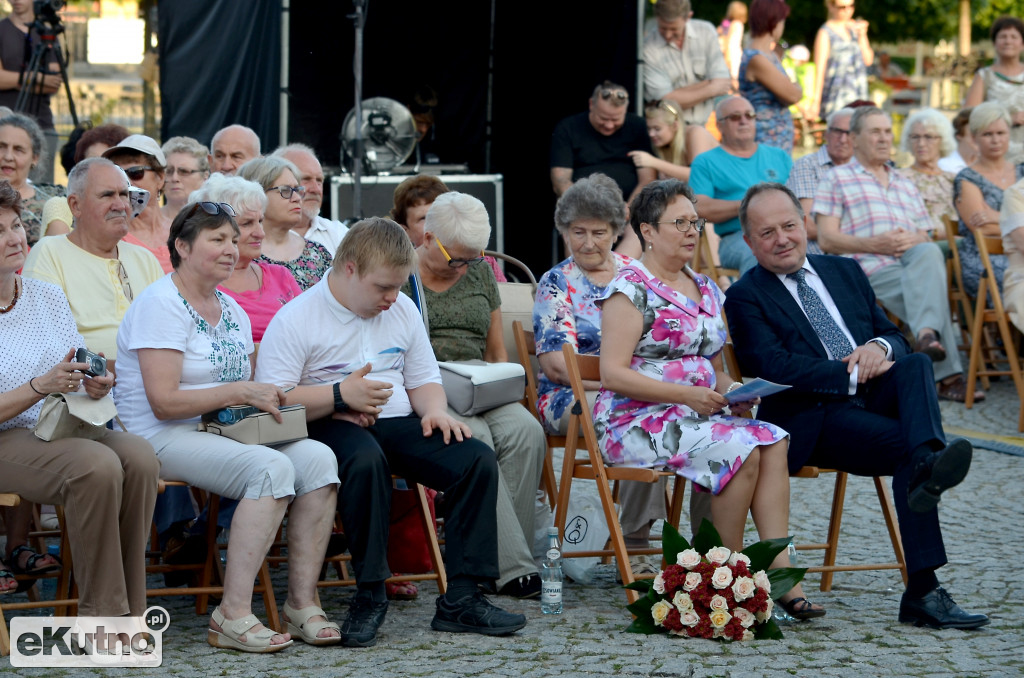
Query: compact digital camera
97	363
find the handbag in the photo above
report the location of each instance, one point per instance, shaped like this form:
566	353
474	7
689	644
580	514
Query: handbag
75	415
474	386
408	551
260	428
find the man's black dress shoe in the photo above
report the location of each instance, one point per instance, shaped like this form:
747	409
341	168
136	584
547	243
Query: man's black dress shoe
938	611
932	476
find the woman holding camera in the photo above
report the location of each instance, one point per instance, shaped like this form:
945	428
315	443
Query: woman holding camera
184	350
109	484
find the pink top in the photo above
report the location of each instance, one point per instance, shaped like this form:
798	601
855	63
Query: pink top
162	254
278	288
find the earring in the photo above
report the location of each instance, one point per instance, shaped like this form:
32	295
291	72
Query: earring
650	246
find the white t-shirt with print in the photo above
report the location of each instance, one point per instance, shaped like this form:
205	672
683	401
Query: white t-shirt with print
315	340
212	355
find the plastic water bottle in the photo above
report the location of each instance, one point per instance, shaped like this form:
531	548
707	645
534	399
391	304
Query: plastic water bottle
778	613
551	576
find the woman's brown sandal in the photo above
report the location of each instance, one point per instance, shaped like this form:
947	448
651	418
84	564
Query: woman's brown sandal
801	608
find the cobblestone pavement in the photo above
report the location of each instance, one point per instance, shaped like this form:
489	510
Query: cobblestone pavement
860	636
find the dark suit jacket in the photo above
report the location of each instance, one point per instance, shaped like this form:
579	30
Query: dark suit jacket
775	341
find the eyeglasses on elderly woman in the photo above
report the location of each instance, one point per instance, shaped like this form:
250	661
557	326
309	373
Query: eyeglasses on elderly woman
458	263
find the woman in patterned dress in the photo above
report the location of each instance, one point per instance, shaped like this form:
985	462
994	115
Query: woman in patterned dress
184	349
842	55
1003	81
928	136
663	384
308	261
763	80
978	190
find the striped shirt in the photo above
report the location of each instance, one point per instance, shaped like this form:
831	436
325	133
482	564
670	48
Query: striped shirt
668	67
866	209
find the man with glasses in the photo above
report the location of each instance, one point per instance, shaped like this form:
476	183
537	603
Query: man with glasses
683	62
868	211
808	170
99	273
720	177
232	147
312	226
600	141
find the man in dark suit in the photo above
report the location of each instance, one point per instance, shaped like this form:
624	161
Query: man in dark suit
861	400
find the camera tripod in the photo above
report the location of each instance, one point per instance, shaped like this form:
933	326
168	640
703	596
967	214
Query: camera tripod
44	52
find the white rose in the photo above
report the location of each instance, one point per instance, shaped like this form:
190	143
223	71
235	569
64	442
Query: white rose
692	581
747	635
688	559
718	603
659	583
767	614
743	588
682	602
718	555
719	618
745	618
738	557
689	618
721	578
660	611
761	581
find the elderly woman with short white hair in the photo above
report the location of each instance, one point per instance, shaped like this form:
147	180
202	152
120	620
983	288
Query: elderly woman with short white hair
188	166
463	311
978	189
928	136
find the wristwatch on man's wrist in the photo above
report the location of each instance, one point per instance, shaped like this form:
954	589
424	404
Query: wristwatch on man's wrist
339	404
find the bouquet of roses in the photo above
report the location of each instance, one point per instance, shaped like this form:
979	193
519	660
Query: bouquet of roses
707	591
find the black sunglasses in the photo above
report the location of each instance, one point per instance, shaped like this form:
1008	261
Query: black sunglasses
137	172
212	208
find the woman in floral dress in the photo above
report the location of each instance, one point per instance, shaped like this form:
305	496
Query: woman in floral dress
763	80
663	384
842	55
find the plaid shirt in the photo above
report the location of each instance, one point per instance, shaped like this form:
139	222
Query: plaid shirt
667	67
807	172
866	209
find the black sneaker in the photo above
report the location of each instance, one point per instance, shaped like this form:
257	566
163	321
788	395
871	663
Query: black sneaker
475	614
522	587
364	618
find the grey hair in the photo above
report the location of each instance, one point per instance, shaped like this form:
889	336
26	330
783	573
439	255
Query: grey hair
764	187
188	146
982	116
265	170
32	129
240	193
253	136
283	151
79	174
934	121
670	10
841	113
863	113
595	197
720	106
459	218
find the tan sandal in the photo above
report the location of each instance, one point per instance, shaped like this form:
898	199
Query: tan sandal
229	637
309	631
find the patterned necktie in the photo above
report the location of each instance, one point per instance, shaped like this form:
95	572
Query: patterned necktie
821	320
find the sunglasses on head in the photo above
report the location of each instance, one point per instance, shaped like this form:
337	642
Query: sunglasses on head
212	208
138	171
617	94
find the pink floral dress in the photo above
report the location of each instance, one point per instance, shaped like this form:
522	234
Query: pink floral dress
680	337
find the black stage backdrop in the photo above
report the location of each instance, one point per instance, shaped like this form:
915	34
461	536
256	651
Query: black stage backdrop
547	57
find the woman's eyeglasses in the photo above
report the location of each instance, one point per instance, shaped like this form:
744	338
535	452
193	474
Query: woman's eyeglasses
138	171
684	225
286	191
929	138
126	285
180	171
212	208
458	263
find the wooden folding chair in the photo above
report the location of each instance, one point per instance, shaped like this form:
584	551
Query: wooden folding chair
592	467
831	544
988	295
526	350
959	301
706	262
63	604
211	570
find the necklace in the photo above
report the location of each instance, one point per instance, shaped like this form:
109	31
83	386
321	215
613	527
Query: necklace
14	299
254	270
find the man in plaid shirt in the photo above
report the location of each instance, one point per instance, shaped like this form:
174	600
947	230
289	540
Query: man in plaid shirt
865	210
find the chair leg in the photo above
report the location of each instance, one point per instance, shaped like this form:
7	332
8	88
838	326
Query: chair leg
430	530
269	602
212	556
834	522
5	636
548	478
891	524
611	516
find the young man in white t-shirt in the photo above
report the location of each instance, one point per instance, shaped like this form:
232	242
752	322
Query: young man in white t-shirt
360	359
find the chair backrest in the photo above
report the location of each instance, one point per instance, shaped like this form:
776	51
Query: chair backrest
952	226
705	262
526	352
988	245
582	368
516	299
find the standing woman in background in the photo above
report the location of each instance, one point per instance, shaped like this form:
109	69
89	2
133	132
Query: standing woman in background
675	142
763	80
842	55
730	37
1003	81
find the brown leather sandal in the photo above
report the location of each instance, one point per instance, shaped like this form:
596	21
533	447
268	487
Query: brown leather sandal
956	390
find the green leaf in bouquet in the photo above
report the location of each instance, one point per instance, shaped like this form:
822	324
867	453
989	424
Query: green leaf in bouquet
672	543
763	553
641	606
643	585
707	537
784	578
643	625
769	630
